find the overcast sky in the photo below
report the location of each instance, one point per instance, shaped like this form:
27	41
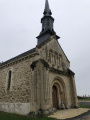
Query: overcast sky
20	25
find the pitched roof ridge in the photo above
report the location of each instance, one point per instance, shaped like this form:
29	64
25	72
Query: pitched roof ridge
19	56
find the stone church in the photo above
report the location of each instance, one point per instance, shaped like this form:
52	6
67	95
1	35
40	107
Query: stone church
39	79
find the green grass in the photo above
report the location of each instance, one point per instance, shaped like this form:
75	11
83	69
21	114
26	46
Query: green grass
84	106
84	99
8	116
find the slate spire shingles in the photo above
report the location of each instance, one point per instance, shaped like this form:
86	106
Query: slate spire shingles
47	11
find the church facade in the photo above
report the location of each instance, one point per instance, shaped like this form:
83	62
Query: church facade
39	79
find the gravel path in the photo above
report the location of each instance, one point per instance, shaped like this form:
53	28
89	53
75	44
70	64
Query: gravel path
85	116
71	114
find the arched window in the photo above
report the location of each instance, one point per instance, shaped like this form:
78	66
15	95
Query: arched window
9	79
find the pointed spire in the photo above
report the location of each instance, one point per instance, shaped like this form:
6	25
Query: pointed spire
47	6
47	10
47	25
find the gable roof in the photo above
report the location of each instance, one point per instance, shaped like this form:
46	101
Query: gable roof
45	42
18	57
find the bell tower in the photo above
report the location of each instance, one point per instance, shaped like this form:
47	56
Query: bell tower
47	25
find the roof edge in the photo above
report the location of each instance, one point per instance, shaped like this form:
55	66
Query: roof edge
18	57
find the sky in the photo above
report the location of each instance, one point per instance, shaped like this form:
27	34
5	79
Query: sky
20	25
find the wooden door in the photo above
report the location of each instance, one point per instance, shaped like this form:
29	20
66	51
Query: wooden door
55	97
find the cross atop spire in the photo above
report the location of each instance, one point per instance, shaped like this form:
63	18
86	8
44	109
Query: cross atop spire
47	11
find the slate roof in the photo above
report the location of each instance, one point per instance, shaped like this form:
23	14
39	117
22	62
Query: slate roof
47	11
19	56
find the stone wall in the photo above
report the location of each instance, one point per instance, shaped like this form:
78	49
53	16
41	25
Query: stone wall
18	98
20	83
18	108
40	86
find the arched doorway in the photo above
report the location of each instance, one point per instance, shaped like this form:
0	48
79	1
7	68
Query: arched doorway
59	99
55	96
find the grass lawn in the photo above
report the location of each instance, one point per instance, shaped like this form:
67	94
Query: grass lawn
84	106
84	99
8	116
